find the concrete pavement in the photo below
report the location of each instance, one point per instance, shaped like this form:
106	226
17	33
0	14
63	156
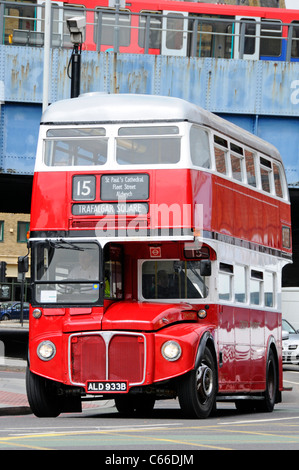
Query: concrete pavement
13	397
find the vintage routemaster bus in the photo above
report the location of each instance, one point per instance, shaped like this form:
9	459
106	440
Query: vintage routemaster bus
158	235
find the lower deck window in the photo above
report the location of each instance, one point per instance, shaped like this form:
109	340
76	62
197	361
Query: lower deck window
169	279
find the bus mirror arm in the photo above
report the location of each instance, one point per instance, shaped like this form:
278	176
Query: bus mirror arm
205	267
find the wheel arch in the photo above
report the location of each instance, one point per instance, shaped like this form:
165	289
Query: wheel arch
206	341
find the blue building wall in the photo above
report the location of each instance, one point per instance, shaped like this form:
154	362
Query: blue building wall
260	96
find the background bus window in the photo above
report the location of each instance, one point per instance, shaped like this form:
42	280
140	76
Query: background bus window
250	168
226	272
175	31
199	147
255	286
271	32
204	40
107	26
250	33
155	28
295	40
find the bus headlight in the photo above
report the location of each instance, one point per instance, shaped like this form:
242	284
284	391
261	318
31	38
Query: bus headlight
171	350
46	350
37	313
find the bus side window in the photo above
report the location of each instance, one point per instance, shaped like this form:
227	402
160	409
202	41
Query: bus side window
199	147
266	169
256	280
113	273
220	148
269	289
277	180
240	284
226	272
236	159
250	168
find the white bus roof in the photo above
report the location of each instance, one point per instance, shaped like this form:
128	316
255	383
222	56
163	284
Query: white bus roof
101	108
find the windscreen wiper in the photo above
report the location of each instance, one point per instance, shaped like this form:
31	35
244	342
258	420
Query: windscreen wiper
64	245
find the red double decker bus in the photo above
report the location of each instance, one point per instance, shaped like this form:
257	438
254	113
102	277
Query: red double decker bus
158	235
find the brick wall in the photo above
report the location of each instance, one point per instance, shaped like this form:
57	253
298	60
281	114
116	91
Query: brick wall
10	248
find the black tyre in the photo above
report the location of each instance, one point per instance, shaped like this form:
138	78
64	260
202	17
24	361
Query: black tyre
124	404
128	404
269	401
41	395
145	405
197	389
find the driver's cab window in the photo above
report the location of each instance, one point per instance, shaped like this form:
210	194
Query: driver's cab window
113	272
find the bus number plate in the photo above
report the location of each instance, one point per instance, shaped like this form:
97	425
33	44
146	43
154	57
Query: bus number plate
107	386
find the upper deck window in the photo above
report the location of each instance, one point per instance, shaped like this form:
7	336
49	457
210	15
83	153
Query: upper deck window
75	147
278	179
199	147
221	150
266	169
236	159
250	168
150	145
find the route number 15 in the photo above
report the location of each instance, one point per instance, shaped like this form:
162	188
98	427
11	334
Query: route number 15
84	188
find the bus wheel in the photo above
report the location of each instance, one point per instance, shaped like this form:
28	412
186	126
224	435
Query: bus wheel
41	395
197	389
145	405
271	385
125	404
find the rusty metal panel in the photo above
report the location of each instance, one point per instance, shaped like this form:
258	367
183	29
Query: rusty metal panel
129	74
184	77
233	86
95	73
279	89
23	74
219	85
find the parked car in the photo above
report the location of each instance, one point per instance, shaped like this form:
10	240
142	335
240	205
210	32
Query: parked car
290	346
12	311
